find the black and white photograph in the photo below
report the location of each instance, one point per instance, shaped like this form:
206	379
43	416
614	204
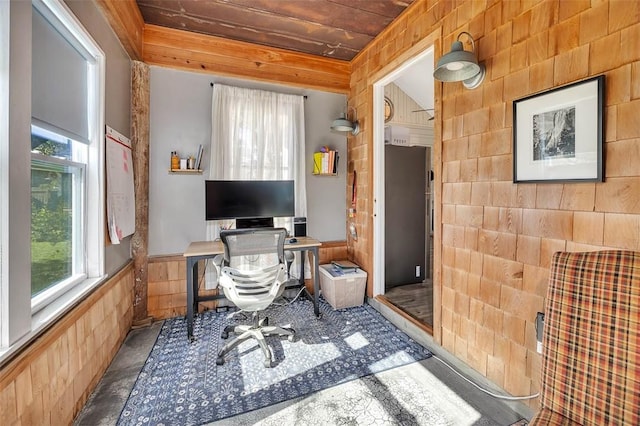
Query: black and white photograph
554	134
558	134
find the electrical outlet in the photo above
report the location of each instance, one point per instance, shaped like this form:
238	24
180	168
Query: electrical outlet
417	271
539	331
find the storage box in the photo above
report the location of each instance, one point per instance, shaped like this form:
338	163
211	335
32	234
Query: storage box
342	291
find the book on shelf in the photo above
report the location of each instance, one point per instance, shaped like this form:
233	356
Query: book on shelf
199	157
331	160
325	162
317	163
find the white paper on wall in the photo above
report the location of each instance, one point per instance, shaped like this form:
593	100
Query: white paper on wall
121	205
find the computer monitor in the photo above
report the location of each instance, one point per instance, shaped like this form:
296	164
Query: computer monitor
253	203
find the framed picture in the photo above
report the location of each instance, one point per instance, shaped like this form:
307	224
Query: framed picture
558	134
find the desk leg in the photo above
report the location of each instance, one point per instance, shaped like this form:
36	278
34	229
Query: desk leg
303	254
192	282
316	282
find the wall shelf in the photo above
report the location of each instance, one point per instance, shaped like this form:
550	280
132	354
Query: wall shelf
325	174
325	162
185	171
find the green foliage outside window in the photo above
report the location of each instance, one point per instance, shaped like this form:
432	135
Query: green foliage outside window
51	218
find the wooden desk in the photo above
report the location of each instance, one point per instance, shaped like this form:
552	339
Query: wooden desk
200	250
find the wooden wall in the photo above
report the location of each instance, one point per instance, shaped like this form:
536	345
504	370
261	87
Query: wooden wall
50	381
494	239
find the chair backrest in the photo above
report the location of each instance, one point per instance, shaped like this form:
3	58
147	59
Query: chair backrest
253	268
246	246
591	344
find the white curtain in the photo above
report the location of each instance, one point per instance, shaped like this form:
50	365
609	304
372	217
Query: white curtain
257	135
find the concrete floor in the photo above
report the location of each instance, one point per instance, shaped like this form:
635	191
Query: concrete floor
106	402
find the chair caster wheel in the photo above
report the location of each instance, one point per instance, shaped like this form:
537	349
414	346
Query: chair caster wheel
219	360
268	363
224	335
291	338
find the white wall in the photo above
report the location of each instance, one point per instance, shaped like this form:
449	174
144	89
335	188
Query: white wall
118	97
180	120
326	195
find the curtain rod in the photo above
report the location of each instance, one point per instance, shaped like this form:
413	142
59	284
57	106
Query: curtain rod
304	96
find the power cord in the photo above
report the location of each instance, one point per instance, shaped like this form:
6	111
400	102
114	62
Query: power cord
495	395
290	301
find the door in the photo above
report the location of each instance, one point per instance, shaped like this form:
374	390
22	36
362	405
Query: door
405	213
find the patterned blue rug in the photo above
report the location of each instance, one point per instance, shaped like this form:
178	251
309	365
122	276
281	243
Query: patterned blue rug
180	382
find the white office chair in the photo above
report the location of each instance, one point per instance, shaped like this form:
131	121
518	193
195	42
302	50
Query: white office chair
252	276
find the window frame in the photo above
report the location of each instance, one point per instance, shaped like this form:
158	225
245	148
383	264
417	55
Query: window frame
63	20
22	319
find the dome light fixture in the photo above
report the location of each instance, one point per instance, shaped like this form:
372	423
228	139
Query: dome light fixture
460	65
343	124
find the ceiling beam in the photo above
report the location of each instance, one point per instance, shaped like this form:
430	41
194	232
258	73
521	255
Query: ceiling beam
126	20
202	53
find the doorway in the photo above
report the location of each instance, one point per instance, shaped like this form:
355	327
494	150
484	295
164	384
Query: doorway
402	191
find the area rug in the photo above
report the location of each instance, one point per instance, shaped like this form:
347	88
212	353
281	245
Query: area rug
408	395
180	382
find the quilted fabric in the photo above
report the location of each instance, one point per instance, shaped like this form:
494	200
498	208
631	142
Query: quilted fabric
550	418
591	355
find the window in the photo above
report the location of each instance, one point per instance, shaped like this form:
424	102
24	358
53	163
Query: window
60	246
257	135
58	188
66	155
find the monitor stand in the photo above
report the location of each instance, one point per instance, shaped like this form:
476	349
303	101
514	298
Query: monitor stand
255	222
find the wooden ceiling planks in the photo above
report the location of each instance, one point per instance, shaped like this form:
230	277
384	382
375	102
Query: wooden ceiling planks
306	43
336	29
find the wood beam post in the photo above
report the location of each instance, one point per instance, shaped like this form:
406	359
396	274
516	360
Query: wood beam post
140	143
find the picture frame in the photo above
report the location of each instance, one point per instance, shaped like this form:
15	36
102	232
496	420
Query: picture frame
558	134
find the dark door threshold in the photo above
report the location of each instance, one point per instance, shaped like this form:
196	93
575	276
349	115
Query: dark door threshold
424	327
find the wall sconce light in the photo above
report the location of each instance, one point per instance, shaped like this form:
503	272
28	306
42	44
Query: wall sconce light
460	65
343	124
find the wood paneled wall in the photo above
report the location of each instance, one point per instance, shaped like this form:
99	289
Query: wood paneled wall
494	239
168	281
50	381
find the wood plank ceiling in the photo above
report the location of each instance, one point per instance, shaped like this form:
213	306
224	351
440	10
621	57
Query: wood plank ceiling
336	29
